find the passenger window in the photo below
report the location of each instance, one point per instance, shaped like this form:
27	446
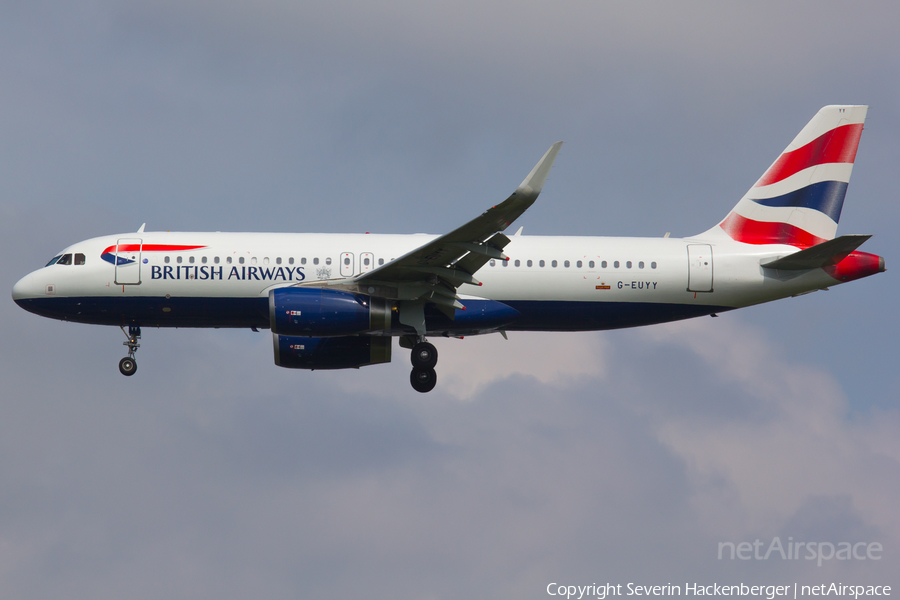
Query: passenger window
253	260
228	259
216	260
166	260
203	260
641	265
366	261
628	264
380	261
347	261
578	264
79	259
530	263
315	261
291	260
178	259
328	261
240	260
493	262
553	264
303	261
505	263
616	264
653	265
566	264
518	263
591	265
191	260
278	261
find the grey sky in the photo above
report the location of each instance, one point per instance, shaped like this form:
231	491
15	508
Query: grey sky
619	456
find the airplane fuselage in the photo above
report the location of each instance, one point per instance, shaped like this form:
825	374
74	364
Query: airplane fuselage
568	283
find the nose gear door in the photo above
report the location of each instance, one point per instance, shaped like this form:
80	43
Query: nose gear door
128	261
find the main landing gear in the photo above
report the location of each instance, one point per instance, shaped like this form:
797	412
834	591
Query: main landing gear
128	366
423	357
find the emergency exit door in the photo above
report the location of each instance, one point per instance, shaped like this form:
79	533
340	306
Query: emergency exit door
346	264
366	262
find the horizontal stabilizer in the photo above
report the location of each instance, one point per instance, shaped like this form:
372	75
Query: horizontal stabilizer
825	254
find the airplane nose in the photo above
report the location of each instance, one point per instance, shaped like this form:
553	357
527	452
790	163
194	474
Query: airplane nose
24	289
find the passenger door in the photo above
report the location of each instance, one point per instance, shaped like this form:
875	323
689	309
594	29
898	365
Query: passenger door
128	261
700	268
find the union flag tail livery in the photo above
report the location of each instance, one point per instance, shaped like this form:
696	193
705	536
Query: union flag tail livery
336	301
798	200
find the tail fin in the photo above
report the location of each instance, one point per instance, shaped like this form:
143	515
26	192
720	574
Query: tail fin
798	200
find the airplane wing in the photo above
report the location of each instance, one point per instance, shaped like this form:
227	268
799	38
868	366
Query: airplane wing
433	271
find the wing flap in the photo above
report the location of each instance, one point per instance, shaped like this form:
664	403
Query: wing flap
492	249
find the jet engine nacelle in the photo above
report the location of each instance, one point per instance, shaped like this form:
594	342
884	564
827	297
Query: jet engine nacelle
296	352
321	312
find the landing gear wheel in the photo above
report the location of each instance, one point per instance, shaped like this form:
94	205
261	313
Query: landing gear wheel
423	356
127	366
423	380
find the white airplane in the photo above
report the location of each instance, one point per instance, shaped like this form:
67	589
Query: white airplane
335	301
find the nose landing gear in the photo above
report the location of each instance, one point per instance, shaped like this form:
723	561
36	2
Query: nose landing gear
128	365
423	358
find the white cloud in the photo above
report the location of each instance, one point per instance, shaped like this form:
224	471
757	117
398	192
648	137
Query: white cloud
468	366
807	445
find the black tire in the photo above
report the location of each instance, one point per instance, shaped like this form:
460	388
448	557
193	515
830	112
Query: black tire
423	356
127	366
423	380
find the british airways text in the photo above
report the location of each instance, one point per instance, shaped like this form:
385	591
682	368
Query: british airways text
218	273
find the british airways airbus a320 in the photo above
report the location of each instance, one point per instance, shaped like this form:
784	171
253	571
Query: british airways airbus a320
335	301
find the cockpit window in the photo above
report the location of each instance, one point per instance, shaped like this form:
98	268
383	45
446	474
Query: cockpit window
79	259
53	260
65	260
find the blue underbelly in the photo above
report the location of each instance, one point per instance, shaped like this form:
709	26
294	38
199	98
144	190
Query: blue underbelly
481	315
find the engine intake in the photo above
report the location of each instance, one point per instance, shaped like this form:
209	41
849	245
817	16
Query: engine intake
320	312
